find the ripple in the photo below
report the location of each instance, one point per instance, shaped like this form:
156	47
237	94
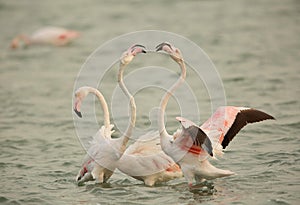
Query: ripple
13	202
3	199
279	201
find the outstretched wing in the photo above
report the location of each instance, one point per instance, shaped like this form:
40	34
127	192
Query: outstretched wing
244	117
229	120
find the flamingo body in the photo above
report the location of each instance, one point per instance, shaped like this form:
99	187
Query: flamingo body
49	35
221	128
144	160
191	146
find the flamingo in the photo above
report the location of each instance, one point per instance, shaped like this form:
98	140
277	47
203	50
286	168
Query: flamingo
151	164
191	146
48	35
104	153
102	167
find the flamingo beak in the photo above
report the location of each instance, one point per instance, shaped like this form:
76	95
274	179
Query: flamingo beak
137	48
171	50
160	46
78	178
77	105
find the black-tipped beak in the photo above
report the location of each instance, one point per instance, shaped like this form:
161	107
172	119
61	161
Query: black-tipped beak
160	46
142	48
77	106
78	113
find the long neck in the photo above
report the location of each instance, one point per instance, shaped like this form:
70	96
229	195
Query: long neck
164	102
103	105
129	130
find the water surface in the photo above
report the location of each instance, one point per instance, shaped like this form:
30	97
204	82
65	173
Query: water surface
255	47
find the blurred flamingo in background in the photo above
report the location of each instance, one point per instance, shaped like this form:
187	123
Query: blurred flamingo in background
49	35
191	146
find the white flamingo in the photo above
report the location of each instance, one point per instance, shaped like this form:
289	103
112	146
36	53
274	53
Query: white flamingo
144	160
104	153
102	167
48	35
191	146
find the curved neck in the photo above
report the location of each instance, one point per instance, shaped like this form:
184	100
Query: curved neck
103	105
129	130
164	102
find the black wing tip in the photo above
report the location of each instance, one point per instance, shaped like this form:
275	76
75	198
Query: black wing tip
242	119
270	117
78	113
206	144
210	148
254	115
225	143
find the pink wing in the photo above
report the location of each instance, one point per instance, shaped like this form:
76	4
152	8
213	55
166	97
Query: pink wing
229	120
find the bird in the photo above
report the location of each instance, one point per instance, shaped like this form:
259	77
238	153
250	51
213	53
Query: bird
103	155
192	145
48	35
98	168
151	164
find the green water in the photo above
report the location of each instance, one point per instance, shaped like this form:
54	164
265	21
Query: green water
254	45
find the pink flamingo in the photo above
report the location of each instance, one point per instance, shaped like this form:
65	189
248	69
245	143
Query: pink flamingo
49	35
191	146
151	164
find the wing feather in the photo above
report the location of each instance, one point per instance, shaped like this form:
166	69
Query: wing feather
198	136
242	118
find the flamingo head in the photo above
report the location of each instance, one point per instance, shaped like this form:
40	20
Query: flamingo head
131	52
85	173
168	48
14	43
80	94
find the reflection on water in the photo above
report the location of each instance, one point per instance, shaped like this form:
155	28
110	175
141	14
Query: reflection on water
255	47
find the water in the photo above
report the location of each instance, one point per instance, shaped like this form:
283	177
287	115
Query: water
255	47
